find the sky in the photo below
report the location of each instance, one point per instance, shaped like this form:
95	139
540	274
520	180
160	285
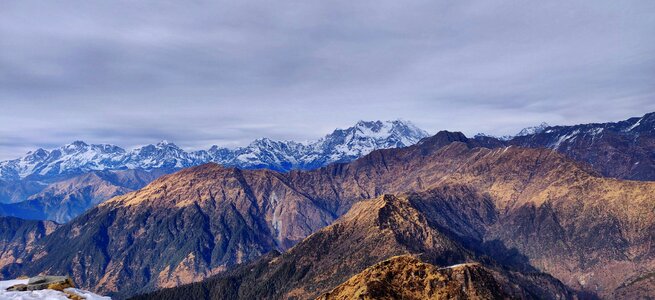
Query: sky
200	73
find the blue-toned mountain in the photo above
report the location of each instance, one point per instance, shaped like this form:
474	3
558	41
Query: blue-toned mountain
624	149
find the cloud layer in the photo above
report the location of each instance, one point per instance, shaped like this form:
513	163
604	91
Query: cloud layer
201	73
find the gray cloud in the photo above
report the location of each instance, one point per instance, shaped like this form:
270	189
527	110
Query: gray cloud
203	73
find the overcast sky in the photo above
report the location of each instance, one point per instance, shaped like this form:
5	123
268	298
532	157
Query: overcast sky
201	73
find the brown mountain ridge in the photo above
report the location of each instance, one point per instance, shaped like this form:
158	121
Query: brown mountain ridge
372	231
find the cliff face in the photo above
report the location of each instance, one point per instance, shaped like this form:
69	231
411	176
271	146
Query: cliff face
530	208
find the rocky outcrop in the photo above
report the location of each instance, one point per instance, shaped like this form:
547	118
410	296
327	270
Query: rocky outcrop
406	277
57	283
46	288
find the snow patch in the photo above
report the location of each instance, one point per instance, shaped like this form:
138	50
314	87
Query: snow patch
634	125
42	294
571	136
533	129
458	265
596	131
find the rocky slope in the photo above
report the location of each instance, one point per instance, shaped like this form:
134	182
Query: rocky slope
18	236
623	149
541	211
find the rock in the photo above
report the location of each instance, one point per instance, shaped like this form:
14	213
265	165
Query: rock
73	296
18	288
58	283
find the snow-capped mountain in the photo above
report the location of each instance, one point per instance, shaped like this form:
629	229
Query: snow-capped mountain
524	132
266	153
74	158
163	155
533	129
342	145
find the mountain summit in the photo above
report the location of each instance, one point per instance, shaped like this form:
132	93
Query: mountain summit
342	145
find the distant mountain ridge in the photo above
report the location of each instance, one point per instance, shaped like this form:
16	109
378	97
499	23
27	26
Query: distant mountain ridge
623	149
64	200
343	145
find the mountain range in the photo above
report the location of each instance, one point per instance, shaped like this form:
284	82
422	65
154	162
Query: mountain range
519	212
535	216
59	187
62	183
624	149
342	145
599	144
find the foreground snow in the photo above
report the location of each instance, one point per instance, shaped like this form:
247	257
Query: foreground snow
42	294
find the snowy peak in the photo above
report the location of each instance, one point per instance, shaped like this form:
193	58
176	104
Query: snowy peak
533	129
632	126
398	132
527	131
76	145
643	124
340	146
36	156
389	129
164	143
74	158
161	155
347	144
